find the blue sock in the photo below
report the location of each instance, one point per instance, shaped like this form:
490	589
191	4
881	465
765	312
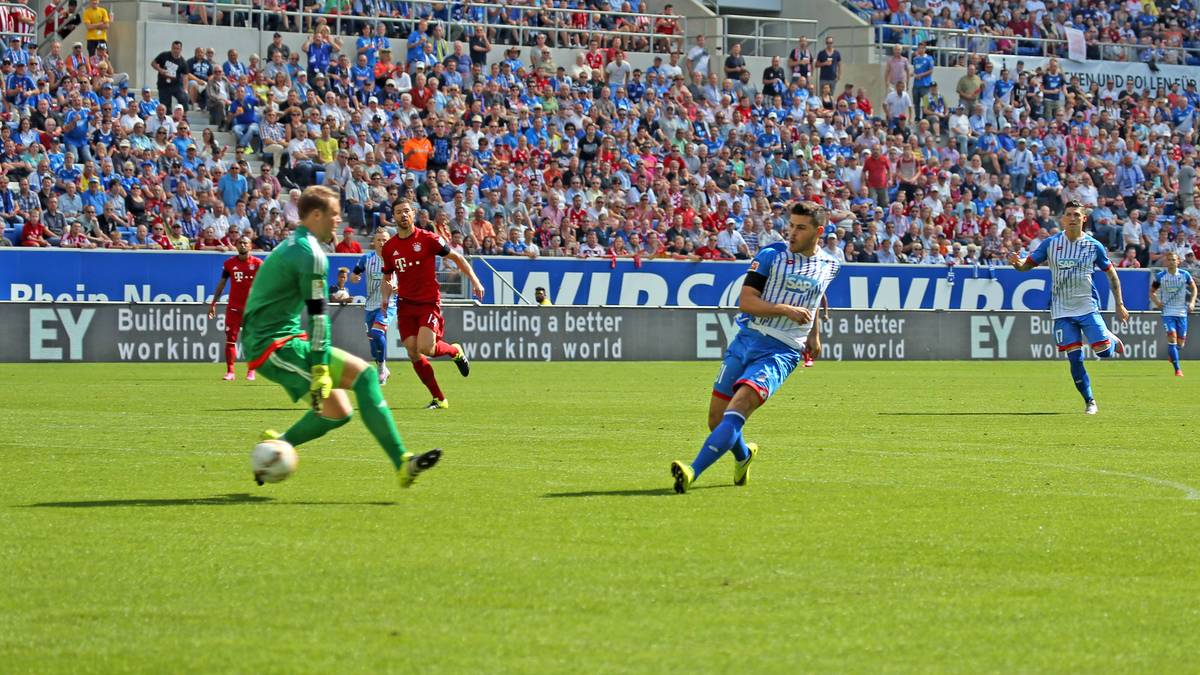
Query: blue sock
377	345
719	442
739	449
381	346
1173	352
1078	373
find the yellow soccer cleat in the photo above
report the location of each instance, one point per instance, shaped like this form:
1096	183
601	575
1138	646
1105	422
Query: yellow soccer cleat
270	435
683	475
437	404
415	465
741	470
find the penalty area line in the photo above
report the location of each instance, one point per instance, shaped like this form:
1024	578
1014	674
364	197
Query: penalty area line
1189	492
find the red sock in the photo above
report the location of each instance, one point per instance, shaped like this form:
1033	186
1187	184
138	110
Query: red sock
444	349
425	372
230	355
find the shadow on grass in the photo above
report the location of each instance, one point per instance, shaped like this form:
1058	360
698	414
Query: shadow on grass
216	500
968	414
649	492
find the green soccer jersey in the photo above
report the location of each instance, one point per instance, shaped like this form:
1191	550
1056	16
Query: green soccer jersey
295	272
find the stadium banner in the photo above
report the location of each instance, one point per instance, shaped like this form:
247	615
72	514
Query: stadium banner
1100	72
57	275
661	283
118	332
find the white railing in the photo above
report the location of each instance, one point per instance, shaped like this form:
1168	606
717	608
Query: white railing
27	34
456	28
765	32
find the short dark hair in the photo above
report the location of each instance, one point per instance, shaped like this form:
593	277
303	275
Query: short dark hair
1076	204
818	213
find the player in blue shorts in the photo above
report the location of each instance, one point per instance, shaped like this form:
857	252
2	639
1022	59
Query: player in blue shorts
1071	256
378	316
779	300
1178	299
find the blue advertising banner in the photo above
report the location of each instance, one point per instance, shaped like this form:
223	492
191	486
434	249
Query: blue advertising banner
718	284
56	275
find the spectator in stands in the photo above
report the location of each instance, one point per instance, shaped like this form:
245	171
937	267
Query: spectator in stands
171	69
77	238
97	20
829	66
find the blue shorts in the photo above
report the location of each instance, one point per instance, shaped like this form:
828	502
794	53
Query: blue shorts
757	361
381	317
1070	332
1176	325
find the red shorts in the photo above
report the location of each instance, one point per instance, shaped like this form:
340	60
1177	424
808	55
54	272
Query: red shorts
233	323
411	317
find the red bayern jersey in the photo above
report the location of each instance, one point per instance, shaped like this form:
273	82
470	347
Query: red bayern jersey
240	274
414	260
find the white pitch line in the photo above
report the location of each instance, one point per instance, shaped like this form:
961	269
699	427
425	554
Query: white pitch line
1189	492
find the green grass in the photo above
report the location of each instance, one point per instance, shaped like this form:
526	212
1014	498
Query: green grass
900	517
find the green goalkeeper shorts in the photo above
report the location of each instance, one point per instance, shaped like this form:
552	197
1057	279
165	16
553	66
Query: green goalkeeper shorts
288	367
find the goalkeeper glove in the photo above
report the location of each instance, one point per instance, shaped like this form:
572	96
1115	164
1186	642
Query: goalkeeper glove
322	384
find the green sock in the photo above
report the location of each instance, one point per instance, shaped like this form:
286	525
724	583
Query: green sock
376	416
311	427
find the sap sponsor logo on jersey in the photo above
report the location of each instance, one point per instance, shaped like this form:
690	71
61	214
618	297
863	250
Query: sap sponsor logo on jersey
800	283
1072	263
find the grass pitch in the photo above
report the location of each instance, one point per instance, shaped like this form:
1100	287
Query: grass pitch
955	516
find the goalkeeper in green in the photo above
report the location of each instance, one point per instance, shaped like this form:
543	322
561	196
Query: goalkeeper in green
293	278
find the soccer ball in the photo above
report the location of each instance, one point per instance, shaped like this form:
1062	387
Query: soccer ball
273	461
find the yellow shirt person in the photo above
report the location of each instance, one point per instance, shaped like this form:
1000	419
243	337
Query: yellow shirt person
97	20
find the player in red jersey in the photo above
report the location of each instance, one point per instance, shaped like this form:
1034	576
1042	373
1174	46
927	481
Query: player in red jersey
239	271
410	271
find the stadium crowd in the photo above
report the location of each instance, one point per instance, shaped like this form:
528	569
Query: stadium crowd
1151	31
693	158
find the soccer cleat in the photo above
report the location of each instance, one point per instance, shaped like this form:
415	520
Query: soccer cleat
1091	408
1178	373
683	475
228	377
741	470
384	374
414	465
270	435
808	359
438	404
463	363
249	375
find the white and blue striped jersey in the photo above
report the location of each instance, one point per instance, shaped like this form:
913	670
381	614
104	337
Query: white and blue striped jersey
1174	291
1071	264
791	279
371	267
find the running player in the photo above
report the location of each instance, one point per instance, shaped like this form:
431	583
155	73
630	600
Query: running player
1074	302
1177	301
239	271
410	271
295	277
378	315
779	302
